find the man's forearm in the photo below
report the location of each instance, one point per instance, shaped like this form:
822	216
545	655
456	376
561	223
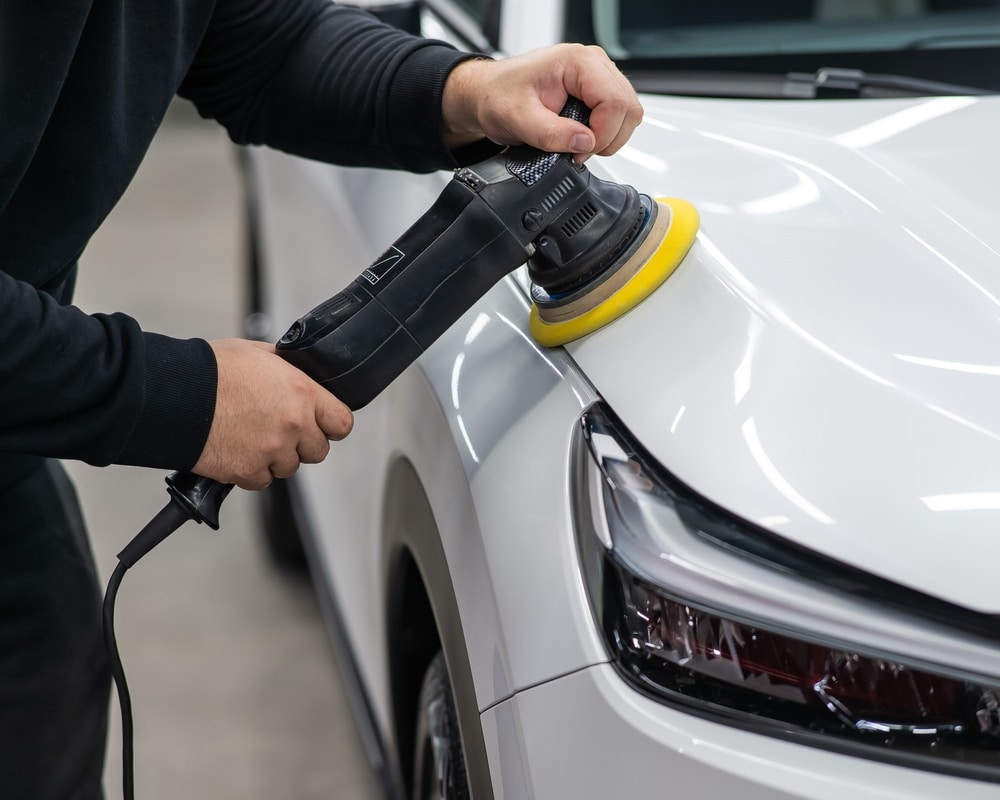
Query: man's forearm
323	81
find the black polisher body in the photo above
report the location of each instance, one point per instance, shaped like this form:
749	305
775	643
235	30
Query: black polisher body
522	205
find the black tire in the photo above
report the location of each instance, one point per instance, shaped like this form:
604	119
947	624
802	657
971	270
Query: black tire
280	530
438	759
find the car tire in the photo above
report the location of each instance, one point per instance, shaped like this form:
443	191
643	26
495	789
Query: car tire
279	528
438	759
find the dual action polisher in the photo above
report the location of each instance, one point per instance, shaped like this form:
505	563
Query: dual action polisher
594	249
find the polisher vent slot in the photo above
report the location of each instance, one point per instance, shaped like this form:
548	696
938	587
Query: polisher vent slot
581	217
552	198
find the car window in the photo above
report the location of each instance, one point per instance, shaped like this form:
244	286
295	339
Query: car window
905	36
475	8
661	27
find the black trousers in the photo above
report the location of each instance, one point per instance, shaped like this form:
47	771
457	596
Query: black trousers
54	676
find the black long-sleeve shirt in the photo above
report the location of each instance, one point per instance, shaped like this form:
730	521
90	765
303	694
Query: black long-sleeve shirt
84	84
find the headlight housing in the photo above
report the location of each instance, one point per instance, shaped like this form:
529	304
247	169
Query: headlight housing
714	615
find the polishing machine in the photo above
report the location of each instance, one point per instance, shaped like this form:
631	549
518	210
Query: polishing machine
594	249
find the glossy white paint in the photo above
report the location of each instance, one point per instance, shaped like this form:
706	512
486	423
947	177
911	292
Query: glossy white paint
511	408
589	735
826	362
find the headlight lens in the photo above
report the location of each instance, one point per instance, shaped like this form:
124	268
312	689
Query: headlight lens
705	611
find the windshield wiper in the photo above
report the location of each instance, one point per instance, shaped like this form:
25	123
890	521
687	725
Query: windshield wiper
826	82
838	82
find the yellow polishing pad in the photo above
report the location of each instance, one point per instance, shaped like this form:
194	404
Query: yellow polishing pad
668	241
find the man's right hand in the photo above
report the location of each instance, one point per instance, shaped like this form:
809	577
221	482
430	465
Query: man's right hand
269	417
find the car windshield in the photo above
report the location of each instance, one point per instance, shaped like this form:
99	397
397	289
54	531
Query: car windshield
945	40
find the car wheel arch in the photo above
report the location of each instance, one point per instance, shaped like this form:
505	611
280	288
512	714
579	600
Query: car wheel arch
421	614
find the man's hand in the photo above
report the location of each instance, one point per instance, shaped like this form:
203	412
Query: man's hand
269	417
517	100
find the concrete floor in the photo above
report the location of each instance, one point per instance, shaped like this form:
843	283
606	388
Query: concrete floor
234	689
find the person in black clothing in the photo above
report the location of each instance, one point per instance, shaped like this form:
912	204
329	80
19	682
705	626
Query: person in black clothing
84	84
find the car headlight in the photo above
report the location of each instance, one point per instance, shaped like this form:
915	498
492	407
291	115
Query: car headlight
715	615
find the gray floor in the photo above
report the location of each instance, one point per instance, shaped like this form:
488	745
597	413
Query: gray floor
234	688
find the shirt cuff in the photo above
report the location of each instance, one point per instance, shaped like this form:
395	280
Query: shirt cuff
179	389
414	117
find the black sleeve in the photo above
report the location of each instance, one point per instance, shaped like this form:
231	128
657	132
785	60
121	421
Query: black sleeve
98	389
323	81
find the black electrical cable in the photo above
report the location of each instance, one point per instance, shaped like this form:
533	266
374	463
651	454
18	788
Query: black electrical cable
169	519
118	673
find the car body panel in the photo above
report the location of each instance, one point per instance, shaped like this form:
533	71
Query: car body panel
826	362
792	370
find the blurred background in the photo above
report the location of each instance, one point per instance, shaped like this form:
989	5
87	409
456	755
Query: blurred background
235	691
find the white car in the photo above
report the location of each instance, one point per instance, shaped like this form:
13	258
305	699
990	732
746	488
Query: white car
744	542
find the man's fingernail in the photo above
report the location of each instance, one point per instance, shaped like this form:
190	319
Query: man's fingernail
579	143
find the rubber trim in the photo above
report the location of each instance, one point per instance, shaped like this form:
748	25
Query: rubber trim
410	527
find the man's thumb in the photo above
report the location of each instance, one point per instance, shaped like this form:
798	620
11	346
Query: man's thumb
581	142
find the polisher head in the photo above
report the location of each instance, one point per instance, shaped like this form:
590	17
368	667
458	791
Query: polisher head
660	245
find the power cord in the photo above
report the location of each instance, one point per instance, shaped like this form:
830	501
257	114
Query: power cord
191	498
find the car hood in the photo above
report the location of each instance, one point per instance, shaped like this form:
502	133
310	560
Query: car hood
826	360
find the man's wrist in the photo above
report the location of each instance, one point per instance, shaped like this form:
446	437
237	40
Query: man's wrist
459	103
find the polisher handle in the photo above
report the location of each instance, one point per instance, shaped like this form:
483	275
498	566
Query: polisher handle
576	109
192	497
529	164
358	341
